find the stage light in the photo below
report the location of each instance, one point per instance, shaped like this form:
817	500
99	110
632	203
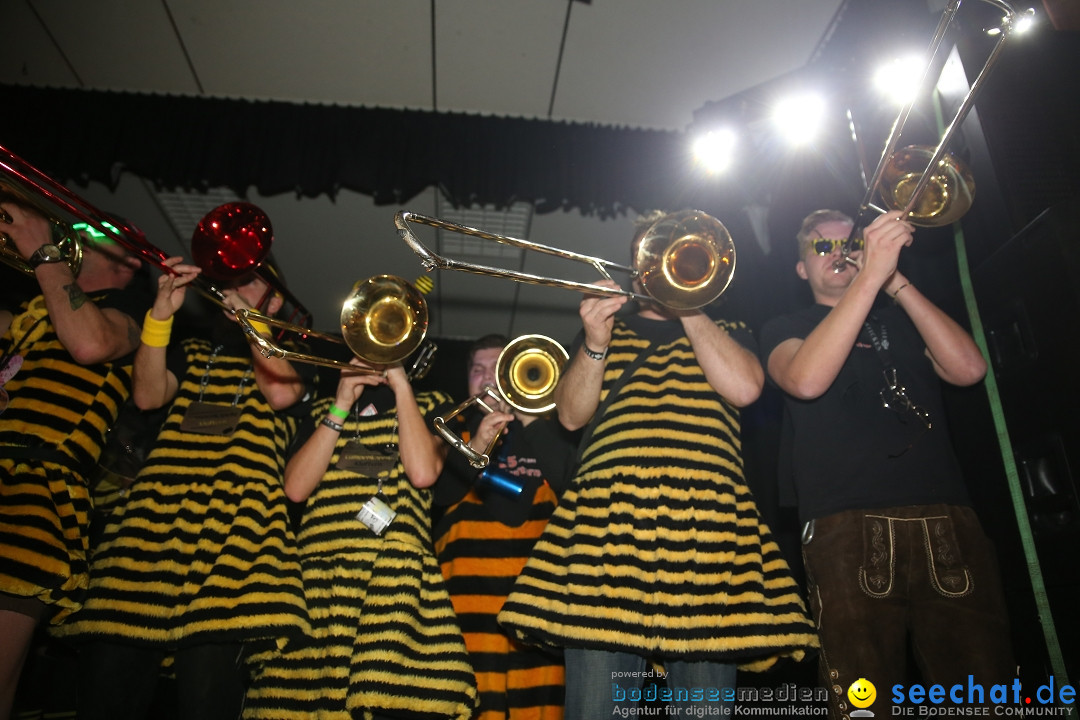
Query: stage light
799	118
715	150
1025	21
898	80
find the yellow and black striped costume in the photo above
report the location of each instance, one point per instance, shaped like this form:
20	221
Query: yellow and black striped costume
657	548
483	541
202	551
51	435
384	640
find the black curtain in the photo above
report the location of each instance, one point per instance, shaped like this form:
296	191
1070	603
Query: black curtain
392	155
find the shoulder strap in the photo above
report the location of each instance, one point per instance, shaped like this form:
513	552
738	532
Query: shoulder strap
586	434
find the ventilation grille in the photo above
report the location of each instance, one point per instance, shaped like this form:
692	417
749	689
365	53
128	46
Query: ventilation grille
510	222
186	208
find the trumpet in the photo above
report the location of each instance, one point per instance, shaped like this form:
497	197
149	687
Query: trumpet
229	242
526	374
383	321
684	261
932	187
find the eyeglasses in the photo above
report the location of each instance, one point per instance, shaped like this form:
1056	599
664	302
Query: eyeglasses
825	246
894	397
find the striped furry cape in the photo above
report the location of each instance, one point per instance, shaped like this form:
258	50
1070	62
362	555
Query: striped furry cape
202	550
658	547
384	640
64	410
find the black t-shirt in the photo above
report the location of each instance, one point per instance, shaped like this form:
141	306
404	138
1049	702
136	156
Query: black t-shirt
846	450
542	445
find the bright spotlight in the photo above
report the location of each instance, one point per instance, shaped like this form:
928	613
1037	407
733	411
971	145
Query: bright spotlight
898	80
799	118
1026	21
715	150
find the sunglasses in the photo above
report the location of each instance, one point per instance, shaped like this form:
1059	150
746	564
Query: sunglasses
825	246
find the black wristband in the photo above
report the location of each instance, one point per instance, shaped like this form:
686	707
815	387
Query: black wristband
328	422
592	353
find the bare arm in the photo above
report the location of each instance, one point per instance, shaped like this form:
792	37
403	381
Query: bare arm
153	385
305	469
953	352
6	316
578	393
732	370
278	380
807	368
89	333
422	451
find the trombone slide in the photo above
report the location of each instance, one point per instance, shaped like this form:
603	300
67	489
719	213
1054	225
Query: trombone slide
476	459
684	261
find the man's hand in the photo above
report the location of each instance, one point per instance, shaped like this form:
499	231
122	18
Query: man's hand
27	228
490	428
884	238
172	288
598	316
351	384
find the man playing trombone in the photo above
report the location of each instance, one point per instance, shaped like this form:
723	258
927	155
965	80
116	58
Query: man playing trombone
65	372
893	551
488	524
658	533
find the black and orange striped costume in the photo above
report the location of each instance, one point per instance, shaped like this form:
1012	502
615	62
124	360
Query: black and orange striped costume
483	540
384	640
202	551
657	547
51	435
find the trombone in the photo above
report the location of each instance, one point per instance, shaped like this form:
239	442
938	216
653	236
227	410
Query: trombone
229	242
685	260
383	321
931	187
526	374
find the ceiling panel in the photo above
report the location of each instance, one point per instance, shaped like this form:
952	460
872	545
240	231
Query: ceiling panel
498	57
369	53
28	55
651	64
118	45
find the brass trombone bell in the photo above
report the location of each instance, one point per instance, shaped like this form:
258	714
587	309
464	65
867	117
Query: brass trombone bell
949	191
383	321
526	375
527	371
685	260
929	185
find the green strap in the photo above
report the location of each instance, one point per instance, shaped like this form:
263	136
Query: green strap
1038	587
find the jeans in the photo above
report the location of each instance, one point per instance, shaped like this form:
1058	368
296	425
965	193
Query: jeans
596	678
920	578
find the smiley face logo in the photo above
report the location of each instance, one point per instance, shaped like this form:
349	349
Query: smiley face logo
862	693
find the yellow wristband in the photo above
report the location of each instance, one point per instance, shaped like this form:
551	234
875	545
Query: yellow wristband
156	333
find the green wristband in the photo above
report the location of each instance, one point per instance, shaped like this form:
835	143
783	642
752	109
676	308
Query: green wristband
338	412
